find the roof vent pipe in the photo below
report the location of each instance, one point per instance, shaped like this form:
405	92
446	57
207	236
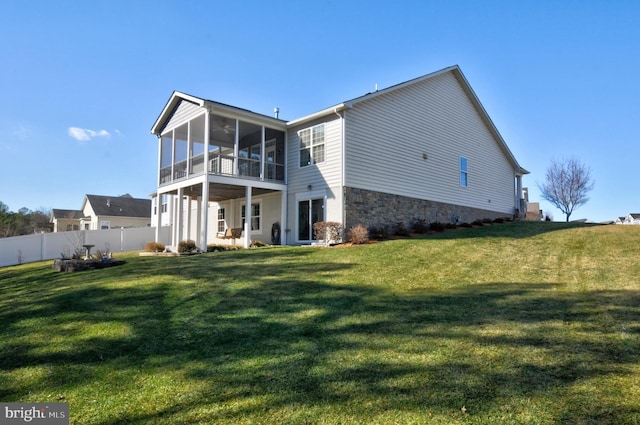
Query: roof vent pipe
276	112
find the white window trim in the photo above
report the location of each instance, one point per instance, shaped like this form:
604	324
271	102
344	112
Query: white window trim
223	220
464	172
311	145
259	203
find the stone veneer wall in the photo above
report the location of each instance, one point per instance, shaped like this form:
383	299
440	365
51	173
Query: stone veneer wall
371	208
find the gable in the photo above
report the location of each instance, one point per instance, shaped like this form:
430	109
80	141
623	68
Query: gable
183	111
409	141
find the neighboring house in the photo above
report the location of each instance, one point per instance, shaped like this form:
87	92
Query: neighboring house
423	149
104	212
65	220
632	218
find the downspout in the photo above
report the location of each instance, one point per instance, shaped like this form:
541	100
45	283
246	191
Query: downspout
342	165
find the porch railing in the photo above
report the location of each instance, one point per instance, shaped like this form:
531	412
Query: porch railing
223	165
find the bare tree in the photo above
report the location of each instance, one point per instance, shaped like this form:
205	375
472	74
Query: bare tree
568	182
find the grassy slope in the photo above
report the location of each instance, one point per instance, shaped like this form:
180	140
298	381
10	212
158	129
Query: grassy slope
518	323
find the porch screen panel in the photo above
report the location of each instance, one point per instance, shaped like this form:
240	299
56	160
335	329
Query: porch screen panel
274	156
250	148
196	145
222	138
166	156
181	147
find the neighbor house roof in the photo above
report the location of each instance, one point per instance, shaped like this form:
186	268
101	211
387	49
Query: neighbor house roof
119	206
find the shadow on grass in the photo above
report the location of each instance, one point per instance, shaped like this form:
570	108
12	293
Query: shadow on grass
271	329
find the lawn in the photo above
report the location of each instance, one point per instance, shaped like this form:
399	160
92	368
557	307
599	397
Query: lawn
517	323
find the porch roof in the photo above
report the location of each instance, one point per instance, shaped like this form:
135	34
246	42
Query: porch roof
177	97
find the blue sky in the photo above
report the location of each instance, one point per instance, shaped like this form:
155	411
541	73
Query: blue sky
83	82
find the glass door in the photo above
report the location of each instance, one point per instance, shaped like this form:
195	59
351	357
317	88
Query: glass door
310	211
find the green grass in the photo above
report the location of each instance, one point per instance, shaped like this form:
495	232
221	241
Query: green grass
520	323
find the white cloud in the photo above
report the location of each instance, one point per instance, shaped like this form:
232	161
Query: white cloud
84	134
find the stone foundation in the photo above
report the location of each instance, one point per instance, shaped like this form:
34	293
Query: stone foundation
379	209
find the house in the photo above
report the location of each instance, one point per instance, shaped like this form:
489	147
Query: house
65	220
104	212
633	218
423	149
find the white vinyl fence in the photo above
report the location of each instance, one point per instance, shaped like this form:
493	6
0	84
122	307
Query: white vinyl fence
48	246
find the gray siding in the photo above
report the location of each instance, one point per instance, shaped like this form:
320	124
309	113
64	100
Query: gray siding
325	178
388	135
183	112
323	175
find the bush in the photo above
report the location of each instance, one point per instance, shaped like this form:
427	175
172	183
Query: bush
187	246
329	231
379	233
154	247
436	226
358	235
400	229
420	225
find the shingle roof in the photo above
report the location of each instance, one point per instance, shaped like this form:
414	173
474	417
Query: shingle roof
120	206
66	214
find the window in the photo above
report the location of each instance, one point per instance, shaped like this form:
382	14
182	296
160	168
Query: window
463	172
221	220
164	201
255	216
311	145
105	224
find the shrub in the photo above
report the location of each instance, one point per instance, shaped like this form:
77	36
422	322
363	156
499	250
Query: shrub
436	226
329	231
379	233
358	235
187	246
399	229
420	225
154	247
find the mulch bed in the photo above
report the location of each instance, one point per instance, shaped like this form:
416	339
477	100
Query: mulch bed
80	265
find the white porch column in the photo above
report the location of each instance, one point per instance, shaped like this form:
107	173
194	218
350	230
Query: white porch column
198	220
283	218
247	218
180	216
204	213
519	195
158	215
188	226
172	219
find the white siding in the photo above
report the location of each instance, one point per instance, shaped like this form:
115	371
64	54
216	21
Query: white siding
183	112
388	135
